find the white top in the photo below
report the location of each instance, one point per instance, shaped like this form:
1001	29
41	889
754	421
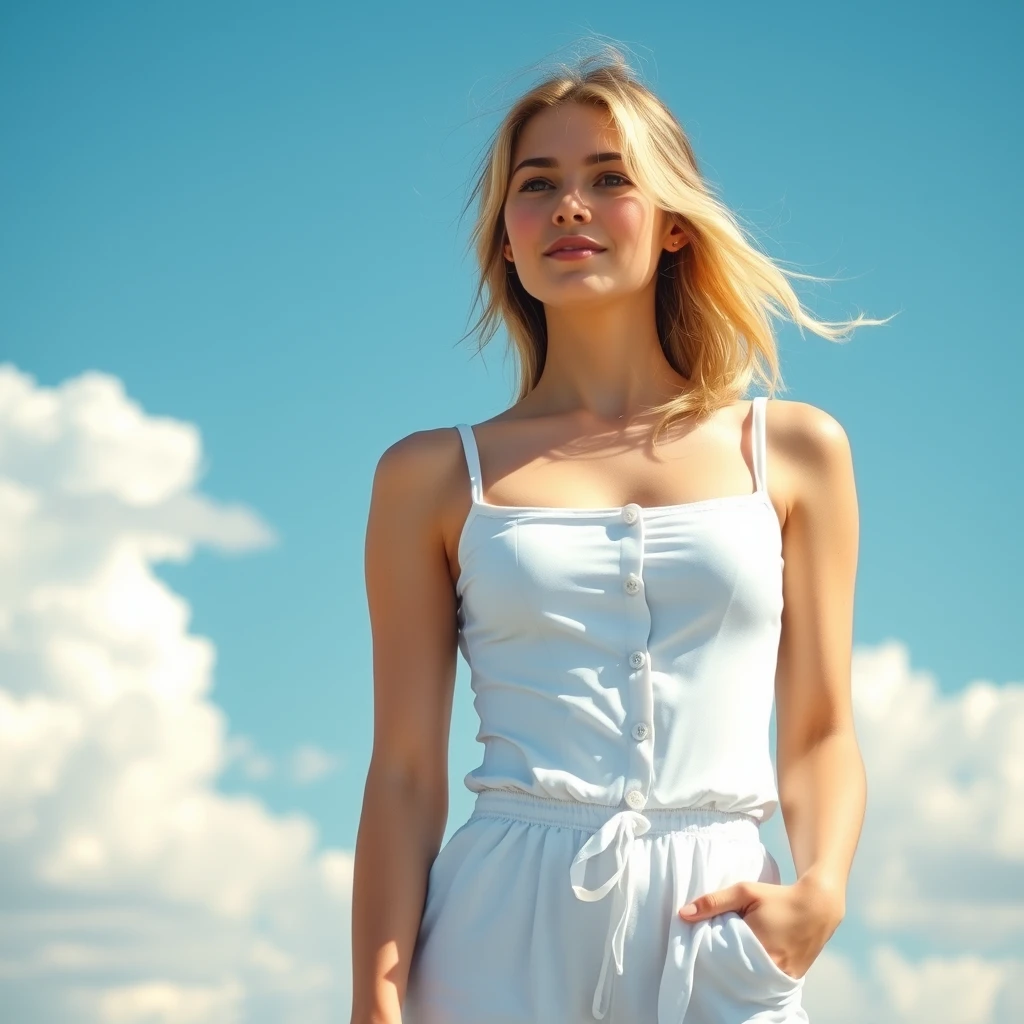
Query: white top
625	656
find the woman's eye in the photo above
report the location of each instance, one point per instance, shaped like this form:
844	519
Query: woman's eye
623	180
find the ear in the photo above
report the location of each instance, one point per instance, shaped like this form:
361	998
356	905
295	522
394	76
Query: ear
677	238
506	250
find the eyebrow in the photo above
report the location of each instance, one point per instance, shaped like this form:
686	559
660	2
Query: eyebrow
550	161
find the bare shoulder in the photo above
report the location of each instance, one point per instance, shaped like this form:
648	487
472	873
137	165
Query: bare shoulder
803	430
810	450
416	471
421	485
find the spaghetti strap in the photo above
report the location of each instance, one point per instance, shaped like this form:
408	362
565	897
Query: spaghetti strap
759	442
472	460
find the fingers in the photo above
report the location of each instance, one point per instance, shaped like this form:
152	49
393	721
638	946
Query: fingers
736	897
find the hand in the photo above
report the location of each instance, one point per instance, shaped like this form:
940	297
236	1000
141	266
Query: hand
793	922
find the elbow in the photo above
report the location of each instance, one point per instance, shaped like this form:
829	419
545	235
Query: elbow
423	790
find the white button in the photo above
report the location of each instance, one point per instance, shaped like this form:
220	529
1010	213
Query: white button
632	583
638	659
640	731
635	799
631	513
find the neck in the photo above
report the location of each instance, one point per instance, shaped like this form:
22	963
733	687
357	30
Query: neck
605	359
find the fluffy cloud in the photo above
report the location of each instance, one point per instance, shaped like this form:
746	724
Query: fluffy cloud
892	989
943	849
134	891
940	865
308	763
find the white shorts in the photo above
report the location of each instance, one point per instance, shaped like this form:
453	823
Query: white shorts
529	920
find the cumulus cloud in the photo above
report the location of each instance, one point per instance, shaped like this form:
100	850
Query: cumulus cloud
943	849
892	988
307	764
254	764
132	890
940	864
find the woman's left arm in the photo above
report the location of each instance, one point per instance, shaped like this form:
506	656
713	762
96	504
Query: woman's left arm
822	783
821	778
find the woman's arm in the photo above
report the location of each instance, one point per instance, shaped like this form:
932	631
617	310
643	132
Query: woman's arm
405	803
822	783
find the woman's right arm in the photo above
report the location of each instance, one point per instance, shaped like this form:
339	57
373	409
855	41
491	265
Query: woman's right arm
413	625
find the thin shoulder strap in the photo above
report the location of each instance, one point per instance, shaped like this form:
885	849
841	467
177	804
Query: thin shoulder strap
760	442
472	459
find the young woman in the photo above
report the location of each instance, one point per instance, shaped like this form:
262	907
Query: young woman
628	615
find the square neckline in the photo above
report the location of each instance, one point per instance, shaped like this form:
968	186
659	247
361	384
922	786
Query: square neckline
604	510
478	507
760	492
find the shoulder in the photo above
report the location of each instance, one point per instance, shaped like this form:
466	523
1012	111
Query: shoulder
417	469
810	449
805	430
419	481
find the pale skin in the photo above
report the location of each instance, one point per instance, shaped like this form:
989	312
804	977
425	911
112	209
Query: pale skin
579	439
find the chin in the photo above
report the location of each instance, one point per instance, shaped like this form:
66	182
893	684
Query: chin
581	286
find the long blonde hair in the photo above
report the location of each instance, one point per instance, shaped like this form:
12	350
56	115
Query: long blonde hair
715	297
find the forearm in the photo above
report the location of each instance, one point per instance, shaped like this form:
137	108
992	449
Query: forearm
400	832
823	795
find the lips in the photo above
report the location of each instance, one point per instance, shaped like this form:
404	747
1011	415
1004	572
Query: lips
578	243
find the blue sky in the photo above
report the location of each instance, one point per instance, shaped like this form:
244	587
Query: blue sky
249	215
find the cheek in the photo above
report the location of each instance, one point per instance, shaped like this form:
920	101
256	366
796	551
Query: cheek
522	222
630	222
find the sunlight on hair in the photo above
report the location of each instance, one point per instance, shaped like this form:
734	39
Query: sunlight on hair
716	297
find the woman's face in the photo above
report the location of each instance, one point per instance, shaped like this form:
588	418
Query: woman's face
574	193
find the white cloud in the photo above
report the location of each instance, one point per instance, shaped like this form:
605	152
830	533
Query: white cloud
942	854
163	1002
253	762
307	764
960	989
310	764
133	890
940	863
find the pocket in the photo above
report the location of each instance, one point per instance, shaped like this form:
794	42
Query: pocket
736	979
755	947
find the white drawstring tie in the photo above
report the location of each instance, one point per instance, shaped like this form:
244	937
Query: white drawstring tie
623	828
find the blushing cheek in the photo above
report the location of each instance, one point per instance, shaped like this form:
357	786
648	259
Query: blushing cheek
629	222
524	226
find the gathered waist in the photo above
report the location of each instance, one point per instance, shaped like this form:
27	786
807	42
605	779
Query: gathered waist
613	829
590	817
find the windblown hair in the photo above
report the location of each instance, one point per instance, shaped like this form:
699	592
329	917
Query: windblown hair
715	296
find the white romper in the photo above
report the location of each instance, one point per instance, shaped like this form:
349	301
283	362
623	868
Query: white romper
623	664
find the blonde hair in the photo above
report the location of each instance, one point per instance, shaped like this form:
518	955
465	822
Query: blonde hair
714	294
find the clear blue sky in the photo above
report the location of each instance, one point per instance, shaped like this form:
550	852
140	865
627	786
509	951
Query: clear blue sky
249	214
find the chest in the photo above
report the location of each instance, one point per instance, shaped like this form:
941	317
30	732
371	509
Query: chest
678	568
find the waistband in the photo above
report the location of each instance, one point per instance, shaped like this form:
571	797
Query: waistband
590	817
615	829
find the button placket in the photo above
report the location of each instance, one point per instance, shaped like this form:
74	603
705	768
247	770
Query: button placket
639	698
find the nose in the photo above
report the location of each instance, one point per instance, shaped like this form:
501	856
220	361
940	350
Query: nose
570	208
